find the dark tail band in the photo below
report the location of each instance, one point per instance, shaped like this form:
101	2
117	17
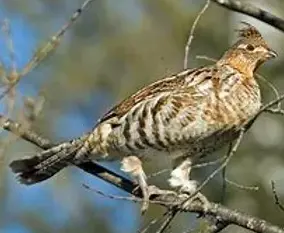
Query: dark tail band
45	164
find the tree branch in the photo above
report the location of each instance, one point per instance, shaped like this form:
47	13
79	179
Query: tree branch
255	12
222	214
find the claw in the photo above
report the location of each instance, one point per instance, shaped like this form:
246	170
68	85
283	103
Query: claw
133	166
200	198
203	200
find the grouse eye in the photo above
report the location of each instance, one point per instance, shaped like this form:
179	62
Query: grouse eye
250	47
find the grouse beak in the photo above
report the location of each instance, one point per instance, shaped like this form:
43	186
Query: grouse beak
271	54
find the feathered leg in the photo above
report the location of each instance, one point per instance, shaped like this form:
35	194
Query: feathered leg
133	166
180	179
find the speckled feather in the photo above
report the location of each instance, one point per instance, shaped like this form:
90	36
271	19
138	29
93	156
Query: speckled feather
177	114
187	115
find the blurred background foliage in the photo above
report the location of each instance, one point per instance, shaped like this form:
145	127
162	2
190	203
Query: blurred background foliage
115	48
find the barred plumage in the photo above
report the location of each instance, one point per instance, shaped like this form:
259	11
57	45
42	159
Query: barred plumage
179	112
183	116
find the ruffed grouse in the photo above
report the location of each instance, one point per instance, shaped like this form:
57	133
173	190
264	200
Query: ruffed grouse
183	116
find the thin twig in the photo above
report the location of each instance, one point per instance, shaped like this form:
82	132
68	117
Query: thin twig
275	111
8	78
158	173
209	163
224	183
6	28
191	34
269	84
202	57
113	197
169	218
152	222
268	106
276	198
240	186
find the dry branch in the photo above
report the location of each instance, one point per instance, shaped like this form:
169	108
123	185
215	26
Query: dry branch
276	198
191	34
222	214
251	10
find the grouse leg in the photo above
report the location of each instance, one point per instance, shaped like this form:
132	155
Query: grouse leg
180	179
133	166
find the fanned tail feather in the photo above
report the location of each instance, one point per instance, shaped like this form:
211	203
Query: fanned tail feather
45	164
